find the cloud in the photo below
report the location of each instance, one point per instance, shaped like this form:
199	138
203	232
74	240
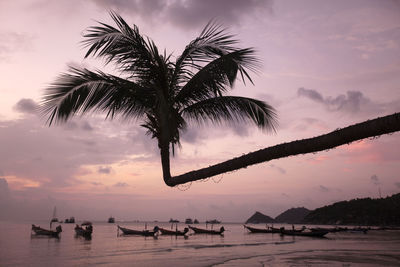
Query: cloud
104	170
26	105
121	184
324	189
375	180
4	190
397	184
29	147
352	102
191	13
311	94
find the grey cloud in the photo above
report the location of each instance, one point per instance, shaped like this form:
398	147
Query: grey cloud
193	135
29	147
375	180
4	190
104	170
397	184
121	184
86	126
191	13
352	102
96	183
26	105
240	129
311	94
324	189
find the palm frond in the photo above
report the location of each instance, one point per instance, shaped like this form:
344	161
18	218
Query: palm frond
123	45
218	76
82	90
232	109
214	41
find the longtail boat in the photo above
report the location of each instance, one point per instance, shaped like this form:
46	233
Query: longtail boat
127	231
207	231
85	230
173	232
320	233
261	230
40	231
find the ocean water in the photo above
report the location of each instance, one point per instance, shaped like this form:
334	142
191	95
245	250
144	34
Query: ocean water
236	248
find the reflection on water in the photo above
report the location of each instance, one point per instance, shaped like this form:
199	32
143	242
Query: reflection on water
235	248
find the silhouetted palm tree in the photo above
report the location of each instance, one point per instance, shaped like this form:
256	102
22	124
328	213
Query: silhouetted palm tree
162	93
371	128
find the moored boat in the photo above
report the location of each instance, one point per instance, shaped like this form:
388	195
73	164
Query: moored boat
127	231
41	231
70	220
207	231
358	230
174	232
85	230
320	233
111	219
261	230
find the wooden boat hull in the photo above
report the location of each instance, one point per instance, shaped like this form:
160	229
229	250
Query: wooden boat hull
85	232
171	232
259	230
206	231
44	232
127	231
310	234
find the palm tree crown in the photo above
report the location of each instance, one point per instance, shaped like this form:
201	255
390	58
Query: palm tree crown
161	93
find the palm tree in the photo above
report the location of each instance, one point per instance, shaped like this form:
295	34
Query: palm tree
371	128
164	95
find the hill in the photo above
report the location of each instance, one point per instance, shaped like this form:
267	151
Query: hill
293	215
365	211
258	217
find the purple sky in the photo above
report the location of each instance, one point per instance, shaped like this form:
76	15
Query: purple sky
326	65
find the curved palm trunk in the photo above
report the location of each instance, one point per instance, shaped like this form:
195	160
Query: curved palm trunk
370	128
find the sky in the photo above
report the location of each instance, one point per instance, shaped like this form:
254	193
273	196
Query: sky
325	65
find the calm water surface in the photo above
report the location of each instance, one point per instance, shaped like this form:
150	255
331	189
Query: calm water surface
235	248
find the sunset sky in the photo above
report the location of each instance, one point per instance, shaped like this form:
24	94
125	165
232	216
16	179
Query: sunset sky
325	65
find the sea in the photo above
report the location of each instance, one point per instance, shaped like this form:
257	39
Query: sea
237	247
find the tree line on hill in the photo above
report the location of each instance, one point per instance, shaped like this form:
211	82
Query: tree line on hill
365	211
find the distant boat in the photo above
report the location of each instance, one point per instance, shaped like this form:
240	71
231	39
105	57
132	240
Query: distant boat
213	221
188	221
320	233
173	232
127	231
173	221
85	230
358	230
54	218
70	220
207	231
40	231
111	220
261	230
196	221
